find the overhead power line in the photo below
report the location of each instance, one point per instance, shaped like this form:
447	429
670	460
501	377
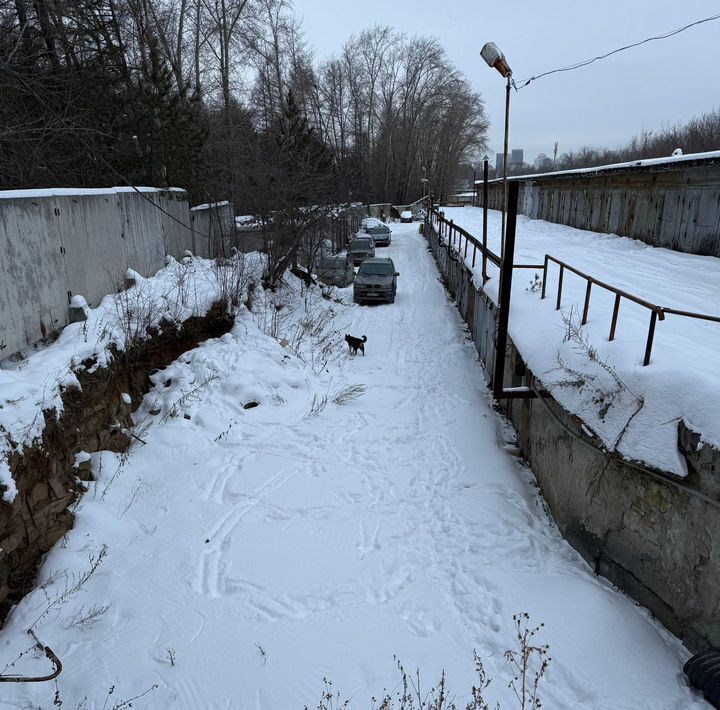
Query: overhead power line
524	82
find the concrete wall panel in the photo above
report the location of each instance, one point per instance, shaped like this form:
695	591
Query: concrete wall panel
33	282
176	224
90	230
58	243
141	234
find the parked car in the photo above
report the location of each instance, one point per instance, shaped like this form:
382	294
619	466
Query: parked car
361	248
376	280
370	222
336	269
406	216
381	235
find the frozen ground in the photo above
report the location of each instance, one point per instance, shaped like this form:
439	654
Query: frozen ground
252	552
638	415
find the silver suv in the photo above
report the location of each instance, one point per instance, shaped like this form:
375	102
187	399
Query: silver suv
376	280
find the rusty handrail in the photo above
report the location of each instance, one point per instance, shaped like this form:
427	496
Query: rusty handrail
691	314
656	312
477	245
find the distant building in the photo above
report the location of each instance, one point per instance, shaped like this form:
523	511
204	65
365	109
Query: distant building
516	158
543	164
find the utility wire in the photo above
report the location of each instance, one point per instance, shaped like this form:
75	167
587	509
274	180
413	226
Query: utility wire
524	82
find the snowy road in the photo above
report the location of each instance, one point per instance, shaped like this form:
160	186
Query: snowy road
253	552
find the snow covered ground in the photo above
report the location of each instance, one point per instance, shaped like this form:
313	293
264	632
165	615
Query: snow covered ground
682	380
29	386
249	553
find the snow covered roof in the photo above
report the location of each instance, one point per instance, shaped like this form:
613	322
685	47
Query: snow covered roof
710	156
79	191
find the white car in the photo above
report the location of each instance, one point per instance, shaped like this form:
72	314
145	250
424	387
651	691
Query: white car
406	216
369	222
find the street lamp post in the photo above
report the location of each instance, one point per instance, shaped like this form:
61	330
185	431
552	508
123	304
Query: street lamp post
496	59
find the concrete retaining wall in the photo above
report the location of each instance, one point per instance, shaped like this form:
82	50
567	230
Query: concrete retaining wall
654	535
672	204
216	221
58	243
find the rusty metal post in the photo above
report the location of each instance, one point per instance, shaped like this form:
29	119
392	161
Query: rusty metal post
485	221
545	273
474	254
616	309
587	302
651	336
560	282
505	292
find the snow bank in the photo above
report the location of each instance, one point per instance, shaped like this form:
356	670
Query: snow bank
35	383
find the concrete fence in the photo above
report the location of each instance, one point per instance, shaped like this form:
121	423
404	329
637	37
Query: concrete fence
654	535
673	203
214	223
55	244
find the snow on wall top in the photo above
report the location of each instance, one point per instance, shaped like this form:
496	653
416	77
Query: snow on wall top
208	205
648	162
79	191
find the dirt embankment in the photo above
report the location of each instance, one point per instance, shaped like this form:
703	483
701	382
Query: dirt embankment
95	417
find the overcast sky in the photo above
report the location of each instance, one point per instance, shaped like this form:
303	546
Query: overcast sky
604	104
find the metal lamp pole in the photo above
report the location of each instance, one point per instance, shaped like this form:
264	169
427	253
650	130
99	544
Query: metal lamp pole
505	166
496	59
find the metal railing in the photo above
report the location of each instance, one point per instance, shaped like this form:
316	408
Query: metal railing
656	312
454	236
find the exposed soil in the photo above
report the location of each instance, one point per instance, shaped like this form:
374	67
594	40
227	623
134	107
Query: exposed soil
94	418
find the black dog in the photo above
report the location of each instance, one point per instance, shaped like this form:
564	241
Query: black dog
356	344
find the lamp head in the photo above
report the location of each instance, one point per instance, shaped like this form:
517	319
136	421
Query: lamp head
495	58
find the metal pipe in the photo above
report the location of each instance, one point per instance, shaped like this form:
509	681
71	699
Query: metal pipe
651	336
587	303
505	292
485	221
560	284
616	309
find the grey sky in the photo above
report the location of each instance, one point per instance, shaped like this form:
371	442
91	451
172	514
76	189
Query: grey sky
604	104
